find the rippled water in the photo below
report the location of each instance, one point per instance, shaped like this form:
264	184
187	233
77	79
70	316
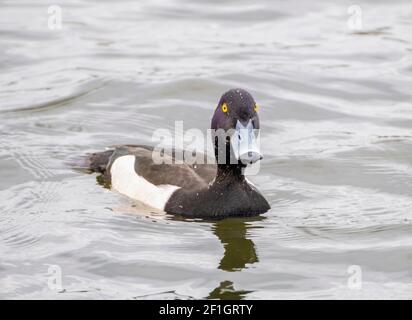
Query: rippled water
336	121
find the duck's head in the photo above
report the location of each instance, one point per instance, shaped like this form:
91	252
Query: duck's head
235	126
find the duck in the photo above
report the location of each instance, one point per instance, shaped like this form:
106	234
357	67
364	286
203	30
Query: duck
207	190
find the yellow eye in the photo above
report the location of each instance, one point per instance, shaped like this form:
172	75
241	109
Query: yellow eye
256	108
224	107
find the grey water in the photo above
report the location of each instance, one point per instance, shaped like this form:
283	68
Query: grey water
336	119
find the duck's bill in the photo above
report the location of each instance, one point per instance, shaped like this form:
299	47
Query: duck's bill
244	143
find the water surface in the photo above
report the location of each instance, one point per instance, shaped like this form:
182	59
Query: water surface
336	122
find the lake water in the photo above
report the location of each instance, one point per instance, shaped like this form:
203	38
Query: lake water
336	120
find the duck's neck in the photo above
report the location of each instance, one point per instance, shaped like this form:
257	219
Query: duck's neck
230	173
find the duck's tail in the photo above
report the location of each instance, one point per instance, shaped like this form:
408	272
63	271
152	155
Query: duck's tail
93	162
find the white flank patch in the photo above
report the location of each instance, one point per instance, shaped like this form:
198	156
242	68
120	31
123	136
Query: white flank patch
126	181
250	182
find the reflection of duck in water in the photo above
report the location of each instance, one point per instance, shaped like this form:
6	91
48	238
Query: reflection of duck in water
239	252
226	291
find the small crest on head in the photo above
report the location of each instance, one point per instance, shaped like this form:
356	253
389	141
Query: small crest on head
235	105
